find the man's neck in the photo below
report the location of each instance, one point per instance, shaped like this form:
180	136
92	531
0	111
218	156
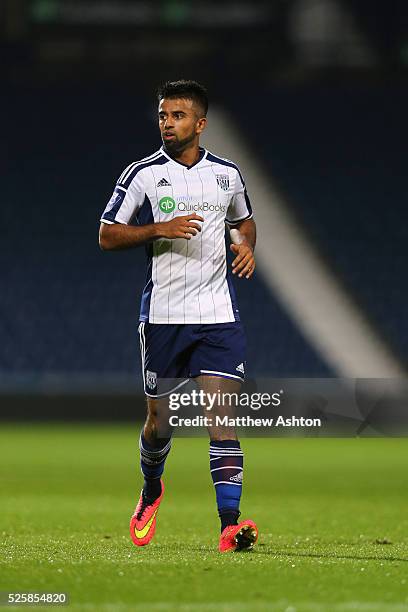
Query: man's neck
189	156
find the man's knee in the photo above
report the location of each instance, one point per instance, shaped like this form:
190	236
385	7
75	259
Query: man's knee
157	420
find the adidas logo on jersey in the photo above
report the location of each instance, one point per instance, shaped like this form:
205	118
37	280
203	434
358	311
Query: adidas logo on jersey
240	368
238	477
163	183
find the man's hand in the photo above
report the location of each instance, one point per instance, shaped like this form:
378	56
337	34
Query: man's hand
118	236
180	227
244	262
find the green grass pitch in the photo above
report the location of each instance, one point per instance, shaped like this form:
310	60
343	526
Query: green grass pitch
332	516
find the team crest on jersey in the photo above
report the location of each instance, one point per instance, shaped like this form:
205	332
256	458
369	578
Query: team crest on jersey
223	181
151	379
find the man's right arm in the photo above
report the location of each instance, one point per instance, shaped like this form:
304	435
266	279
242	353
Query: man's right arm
116	236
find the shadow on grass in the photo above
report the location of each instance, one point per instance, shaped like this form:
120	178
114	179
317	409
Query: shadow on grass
328	556
260	550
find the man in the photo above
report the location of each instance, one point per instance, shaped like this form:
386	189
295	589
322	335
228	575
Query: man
181	197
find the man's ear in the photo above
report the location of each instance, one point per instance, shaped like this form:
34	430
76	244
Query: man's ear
201	124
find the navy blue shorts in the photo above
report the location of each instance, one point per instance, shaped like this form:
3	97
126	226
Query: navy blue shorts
172	354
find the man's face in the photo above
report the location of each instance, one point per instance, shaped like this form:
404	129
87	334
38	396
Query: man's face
180	123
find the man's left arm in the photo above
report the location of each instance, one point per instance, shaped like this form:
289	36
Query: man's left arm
243	236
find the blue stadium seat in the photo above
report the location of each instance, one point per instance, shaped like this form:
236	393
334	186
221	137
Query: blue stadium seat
339	154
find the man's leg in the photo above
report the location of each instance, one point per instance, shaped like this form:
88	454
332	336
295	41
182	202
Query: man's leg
226	456
226	466
154	444
164	352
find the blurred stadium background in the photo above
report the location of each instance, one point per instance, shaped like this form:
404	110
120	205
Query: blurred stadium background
309	96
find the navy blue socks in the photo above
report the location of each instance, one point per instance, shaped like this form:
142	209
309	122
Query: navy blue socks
152	459
226	466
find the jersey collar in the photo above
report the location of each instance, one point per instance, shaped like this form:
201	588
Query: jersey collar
203	154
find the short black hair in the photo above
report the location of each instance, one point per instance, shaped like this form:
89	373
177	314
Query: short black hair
190	90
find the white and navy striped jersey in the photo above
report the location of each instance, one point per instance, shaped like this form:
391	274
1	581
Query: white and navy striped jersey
187	280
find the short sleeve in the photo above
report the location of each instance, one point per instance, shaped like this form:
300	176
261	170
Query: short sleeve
239	208
125	202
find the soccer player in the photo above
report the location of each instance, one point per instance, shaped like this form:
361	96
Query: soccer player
176	203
